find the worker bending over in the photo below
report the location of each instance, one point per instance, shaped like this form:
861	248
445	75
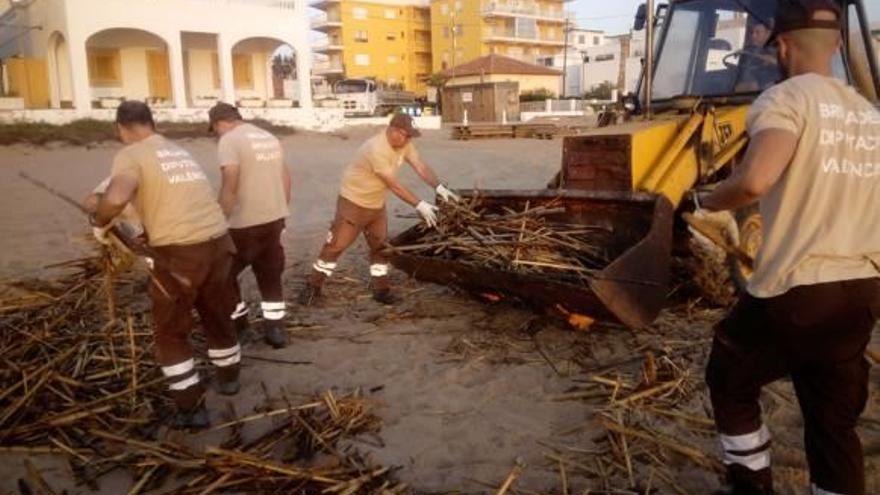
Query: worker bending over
361	205
185	227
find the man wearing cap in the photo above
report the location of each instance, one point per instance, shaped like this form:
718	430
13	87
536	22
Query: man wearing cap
255	196
814	164
193	256
361	205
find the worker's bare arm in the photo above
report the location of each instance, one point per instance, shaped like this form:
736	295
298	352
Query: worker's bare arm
228	187
766	159
425	172
398	189
119	193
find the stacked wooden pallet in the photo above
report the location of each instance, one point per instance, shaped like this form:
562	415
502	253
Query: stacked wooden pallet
542	128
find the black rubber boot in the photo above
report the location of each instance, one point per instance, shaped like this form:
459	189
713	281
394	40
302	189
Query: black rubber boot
227	379
309	295
191	412
385	296
275	333
743	481
242	328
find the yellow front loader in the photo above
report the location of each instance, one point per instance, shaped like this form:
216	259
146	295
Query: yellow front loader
684	128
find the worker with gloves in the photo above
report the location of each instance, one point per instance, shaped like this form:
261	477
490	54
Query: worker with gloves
361	205
814	295
193	256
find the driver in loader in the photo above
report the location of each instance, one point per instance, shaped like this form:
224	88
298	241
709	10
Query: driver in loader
814	164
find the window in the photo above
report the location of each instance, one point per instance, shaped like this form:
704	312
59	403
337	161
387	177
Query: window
359	12
360	36
582	39
362	59
243	70
604	57
444	9
526	28
402	35
104	68
595	41
390	36
458	5
392	59
458	30
390	14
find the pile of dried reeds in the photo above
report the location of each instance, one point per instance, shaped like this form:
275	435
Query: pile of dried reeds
79	382
533	240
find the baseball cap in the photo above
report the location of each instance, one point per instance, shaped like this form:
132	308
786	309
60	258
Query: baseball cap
793	15
222	111
405	123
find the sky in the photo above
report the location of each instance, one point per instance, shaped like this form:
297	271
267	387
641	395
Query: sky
616	16
611	16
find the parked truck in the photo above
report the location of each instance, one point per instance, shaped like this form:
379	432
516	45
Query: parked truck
366	97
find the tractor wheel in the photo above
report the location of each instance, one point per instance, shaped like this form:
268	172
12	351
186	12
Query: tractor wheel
750	238
720	277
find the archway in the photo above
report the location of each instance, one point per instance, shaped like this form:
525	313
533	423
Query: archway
264	72
128	64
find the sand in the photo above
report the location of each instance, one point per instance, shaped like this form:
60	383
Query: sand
460	386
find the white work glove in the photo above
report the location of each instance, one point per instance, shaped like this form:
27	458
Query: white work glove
100	232
446	194
723	221
428	213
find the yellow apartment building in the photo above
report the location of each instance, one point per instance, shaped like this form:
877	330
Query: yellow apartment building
527	30
389	40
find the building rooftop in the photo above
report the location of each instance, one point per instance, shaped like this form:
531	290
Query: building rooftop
499	64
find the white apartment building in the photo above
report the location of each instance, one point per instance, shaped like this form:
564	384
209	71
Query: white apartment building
87	55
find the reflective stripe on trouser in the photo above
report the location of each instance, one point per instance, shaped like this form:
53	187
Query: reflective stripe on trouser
815	490
324	267
225	357
181	375
273	310
751	450
379	270
351	221
241	310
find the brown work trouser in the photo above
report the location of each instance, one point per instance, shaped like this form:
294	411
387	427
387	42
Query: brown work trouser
349	222
201	280
817	334
260	248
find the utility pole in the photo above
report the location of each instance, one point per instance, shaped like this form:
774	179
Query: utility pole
565	31
454	31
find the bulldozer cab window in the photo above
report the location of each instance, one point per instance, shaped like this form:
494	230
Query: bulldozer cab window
716	48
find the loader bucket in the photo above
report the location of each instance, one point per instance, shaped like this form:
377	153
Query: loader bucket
631	289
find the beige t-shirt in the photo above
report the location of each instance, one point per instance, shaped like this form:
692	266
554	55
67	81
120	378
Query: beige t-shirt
822	218
360	184
260	160
174	199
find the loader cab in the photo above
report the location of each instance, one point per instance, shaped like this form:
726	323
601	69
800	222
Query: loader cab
715	50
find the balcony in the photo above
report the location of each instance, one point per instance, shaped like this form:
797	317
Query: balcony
492	9
325	23
327	68
422	47
327	47
511	36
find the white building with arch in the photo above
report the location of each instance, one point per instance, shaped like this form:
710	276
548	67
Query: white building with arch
179	55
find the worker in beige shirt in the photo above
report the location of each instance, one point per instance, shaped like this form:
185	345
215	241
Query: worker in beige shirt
361	205
255	196
186	230
814	164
